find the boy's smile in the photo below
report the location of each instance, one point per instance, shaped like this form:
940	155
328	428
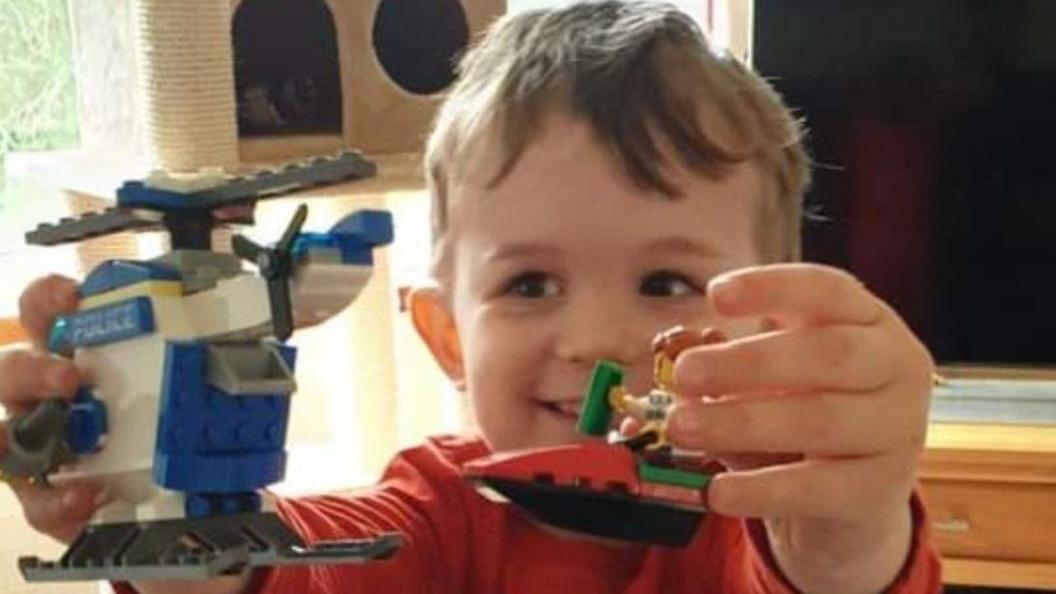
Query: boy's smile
568	407
565	261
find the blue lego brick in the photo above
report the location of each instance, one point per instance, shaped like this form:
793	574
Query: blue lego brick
87	422
290	178
116	274
203	505
105	324
354	236
369	227
57	338
136	194
219	473
307	241
352	251
211	441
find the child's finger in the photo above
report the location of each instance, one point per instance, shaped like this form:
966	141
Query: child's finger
62	511
843	489
817	424
795	294
845	358
42	301
29	376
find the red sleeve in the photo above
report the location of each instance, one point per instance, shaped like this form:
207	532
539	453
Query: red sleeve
419	496
922	573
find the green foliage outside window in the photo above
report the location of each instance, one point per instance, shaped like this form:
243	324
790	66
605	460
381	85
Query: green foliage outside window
38	102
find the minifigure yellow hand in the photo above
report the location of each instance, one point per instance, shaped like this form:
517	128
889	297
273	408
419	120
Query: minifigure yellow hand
617	397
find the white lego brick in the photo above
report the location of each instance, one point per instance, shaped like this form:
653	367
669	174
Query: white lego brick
126	376
171	319
187	183
164	506
320	291
117	511
234	305
135	498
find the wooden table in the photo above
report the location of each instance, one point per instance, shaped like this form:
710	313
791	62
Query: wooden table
991	495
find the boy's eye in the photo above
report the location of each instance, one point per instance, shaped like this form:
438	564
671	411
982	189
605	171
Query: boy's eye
533	285
665	283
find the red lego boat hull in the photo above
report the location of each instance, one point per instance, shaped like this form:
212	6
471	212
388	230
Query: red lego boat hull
593	488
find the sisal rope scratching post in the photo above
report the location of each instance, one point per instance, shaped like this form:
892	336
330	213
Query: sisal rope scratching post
187	83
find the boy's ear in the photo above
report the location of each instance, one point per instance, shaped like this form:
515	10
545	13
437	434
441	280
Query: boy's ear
435	323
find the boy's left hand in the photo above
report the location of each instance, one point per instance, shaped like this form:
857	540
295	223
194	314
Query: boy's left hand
820	417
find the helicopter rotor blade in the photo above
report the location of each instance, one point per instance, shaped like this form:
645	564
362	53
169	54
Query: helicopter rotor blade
288	237
246	248
281	307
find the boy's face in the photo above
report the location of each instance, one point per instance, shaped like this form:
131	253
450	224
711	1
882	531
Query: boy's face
566	262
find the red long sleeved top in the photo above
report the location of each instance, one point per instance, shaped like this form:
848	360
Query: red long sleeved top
457	542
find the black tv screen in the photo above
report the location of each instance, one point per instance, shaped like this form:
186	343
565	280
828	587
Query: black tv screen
932	125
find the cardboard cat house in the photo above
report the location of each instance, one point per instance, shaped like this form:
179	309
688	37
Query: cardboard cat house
198	83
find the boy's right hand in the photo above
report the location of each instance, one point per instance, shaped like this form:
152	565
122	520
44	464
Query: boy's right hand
29	375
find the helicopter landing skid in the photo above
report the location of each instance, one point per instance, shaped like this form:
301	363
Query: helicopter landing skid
200	548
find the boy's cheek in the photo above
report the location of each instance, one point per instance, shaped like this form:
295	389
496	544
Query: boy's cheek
499	351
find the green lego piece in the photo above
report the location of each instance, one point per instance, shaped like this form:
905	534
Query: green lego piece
596	413
672	476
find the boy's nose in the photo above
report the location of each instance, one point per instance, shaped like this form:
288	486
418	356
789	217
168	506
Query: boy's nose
598	330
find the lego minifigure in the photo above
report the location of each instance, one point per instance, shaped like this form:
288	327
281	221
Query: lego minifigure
635	488
650	410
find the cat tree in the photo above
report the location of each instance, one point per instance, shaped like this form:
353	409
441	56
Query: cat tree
187	83
171	78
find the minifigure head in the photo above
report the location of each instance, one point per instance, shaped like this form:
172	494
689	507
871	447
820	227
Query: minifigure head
591	170
670	343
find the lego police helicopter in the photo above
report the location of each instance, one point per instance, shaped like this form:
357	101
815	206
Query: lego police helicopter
185	421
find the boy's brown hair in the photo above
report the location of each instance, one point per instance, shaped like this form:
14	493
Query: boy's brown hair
643	76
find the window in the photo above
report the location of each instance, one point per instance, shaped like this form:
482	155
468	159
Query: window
38	96
38	112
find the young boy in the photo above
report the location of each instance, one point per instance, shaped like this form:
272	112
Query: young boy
599	176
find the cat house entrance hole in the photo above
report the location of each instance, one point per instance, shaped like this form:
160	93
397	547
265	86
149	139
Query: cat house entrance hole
287	74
